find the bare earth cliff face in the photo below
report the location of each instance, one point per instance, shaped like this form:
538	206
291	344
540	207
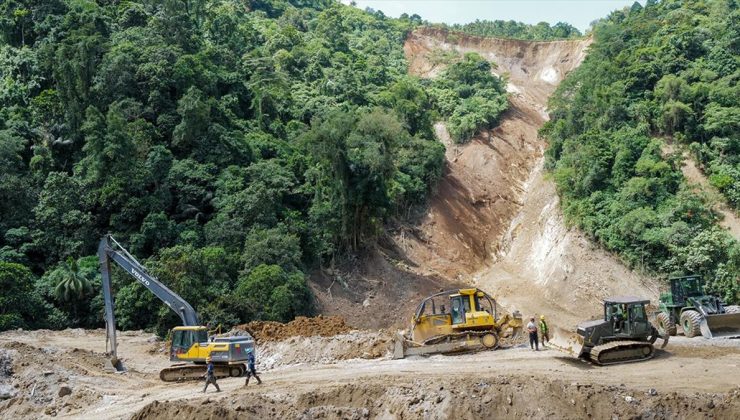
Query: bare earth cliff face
495	220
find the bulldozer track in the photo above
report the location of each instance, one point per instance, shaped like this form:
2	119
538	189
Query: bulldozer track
449	337
617	352
196	372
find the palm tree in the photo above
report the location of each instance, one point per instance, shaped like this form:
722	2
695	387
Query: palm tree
72	282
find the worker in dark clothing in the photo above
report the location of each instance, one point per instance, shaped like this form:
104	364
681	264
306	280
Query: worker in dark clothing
544	330
251	371
533	339
210	376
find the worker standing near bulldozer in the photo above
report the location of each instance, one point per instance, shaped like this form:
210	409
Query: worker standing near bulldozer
544	330
211	376
533	339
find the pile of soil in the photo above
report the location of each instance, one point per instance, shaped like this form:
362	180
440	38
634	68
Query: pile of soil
45	380
324	350
265	331
457	397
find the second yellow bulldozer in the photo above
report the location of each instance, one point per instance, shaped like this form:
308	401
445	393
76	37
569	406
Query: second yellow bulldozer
456	321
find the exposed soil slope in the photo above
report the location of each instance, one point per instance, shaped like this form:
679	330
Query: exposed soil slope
495	220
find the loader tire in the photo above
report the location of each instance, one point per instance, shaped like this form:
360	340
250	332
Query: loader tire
665	325
690	321
732	309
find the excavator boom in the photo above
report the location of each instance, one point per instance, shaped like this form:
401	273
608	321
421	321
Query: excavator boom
110	250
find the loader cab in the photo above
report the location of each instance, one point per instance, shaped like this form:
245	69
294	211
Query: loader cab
686	287
184	338
627	316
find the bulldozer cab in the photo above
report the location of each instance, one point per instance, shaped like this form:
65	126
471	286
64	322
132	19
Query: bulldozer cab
627	316
470	303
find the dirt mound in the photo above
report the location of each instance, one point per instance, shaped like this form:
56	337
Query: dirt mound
323	339
323	326
324	350
45	380
457	397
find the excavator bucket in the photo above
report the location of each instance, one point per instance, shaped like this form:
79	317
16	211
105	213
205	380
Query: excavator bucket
721	326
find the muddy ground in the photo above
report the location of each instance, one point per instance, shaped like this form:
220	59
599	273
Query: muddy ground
61	374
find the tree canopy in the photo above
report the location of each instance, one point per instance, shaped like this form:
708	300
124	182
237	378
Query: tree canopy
232	145
542	31
666	72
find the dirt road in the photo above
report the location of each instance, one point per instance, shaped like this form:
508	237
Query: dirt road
45	361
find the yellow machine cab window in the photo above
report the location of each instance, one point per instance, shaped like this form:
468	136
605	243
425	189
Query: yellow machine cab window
185	338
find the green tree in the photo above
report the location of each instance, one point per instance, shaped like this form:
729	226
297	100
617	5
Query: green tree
20	306
71	283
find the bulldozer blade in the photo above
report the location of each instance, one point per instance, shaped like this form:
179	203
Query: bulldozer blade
721	326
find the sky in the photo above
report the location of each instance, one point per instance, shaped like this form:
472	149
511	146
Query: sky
579	13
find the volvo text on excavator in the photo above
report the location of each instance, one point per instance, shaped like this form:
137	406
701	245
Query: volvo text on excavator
190	343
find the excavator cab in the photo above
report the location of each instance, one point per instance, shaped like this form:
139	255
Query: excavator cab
183	340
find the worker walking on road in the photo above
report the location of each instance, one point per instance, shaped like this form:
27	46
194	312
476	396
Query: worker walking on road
210	376
533	341
251	371
544	331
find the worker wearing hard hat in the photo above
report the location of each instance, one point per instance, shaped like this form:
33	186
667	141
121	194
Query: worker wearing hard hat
251	371
210	376
544	330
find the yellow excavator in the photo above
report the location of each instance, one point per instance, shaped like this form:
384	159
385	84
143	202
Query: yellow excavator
191	344
456	321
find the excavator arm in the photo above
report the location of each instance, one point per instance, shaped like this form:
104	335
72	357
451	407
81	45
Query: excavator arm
110	250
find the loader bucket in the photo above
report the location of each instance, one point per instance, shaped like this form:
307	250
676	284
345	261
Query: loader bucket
721	326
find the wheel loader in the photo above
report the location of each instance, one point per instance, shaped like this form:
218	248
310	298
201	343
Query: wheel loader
455	321
623	335
191	344
688	305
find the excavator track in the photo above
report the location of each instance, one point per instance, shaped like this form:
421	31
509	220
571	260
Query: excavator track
617	352
181	373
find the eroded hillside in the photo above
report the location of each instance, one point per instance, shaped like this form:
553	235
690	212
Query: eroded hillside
495	220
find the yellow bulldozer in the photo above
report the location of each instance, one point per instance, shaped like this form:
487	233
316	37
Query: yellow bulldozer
455	321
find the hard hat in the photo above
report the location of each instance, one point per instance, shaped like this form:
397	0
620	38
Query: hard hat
249	349
542	317
208	359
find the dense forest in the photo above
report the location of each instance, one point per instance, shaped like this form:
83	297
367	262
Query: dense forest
664	73
233	146
542	31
